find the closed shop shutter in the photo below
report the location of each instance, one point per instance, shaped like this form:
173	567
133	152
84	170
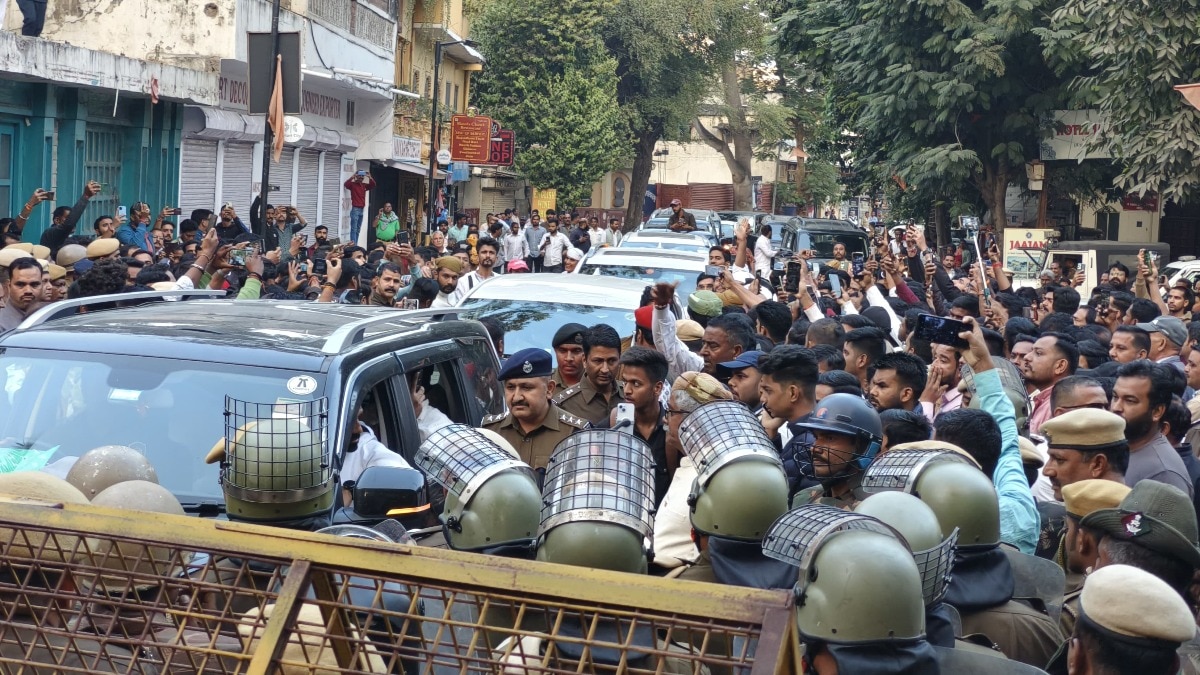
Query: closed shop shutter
306	187
281	175
713	196
198	175
495	201
331	195
102	163
236	180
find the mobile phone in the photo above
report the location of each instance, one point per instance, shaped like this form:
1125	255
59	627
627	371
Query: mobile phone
302	268
1080	267
402	237
360	173
50	195
406	280
624	417
238	256
410	304
123	211
835	285
712	271
856	263
1027	312
320	266
177	211
940	330
1153	256
791	278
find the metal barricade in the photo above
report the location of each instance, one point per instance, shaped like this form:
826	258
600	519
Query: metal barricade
186	595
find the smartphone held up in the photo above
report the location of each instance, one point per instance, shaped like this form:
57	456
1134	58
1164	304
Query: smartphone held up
941	330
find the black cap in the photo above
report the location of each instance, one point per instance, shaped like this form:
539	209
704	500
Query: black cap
532	362
571	332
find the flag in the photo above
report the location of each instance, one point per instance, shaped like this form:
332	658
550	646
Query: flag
1191	93
275	111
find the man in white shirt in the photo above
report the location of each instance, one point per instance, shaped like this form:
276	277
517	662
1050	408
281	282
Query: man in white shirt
514	244
446	271
366	451
764	254
487	249
553	246
596	234
613	235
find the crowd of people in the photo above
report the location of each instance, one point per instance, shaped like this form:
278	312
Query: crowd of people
1067	413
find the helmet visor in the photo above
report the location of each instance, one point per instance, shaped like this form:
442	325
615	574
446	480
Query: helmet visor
276	452
461	459
899	469
796	536
719	432
600	475
935	565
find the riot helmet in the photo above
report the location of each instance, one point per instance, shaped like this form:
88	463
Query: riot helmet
933	553
845	415
598	502
22	546
108	465
731	451
492	499
964	498
275	465
900	466
132	558
858	582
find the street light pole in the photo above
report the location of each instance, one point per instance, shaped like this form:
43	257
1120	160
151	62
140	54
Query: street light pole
434	128
267	134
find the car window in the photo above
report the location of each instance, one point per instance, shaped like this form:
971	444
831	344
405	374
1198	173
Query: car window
481	375
58	406
685	278
532	323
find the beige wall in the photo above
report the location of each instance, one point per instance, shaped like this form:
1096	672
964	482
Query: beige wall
1136	226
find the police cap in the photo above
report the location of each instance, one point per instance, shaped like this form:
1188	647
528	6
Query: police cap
532	362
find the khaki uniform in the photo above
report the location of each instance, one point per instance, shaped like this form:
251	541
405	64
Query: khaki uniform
586	401
559	385
536	448
1070	612
1022	633
816	495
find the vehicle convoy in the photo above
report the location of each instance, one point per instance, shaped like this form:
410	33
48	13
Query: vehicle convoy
649	266
156	378
694	242
1098	257
821	235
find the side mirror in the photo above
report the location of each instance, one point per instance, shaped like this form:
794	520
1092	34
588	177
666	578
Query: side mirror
390	492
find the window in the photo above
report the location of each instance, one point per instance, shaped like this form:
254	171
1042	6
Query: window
482	376
7	136
349	113
456	99
446	97
416	79
428	87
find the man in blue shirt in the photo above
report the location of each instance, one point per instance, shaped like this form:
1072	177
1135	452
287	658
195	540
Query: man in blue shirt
136	231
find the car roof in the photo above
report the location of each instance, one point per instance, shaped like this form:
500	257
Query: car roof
826	224
645	256
577	289
667	235
285	334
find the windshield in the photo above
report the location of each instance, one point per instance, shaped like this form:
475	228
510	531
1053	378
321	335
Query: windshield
531	323
655	224
685	278
692	246
57	408
823	243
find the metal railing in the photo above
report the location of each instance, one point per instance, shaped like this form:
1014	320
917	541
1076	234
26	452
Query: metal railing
357	19
181	594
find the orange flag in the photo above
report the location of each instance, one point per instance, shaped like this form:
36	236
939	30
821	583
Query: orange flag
275	111
1191	92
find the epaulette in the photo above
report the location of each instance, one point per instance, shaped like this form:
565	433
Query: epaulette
567	393
492	419
577	422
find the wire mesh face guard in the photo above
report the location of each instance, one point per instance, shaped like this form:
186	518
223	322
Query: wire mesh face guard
599	475
900	469
720	432
796	536
935	565
461	459
276	453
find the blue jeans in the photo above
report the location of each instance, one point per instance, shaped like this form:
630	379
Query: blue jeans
356	214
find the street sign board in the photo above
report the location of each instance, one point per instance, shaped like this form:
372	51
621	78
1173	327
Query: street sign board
260	58
470	138
293	129
444	157
502	148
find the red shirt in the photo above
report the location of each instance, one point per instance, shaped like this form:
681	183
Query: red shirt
358	191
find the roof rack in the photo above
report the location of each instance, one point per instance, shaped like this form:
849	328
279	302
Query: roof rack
65	308
353	333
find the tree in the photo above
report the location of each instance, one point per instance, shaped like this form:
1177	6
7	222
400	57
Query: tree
665	64
1133	57
556	89
951	93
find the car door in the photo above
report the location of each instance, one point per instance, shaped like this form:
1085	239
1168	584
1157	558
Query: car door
436	374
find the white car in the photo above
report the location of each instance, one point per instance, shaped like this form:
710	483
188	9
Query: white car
649	265
667	241
532	307
1186	268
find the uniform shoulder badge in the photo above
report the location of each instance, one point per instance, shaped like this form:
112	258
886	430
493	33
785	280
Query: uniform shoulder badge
574	421
492	419
567	393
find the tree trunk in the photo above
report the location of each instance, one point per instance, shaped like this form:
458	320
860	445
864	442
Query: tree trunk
941	225
643	166
739	150
993	187
801	135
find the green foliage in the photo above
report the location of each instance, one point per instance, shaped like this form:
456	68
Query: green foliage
556	90
1134	55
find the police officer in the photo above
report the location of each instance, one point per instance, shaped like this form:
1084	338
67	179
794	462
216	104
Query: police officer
533	424
568	351
46	601
1130	621
863	611
596	394
847	435
1080	547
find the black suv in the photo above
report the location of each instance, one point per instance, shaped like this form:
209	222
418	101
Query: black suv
155	377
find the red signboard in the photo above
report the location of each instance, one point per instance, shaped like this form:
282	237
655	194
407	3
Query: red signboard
503	145
1146	202
470	138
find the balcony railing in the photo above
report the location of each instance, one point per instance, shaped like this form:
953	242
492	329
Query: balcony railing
357	20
